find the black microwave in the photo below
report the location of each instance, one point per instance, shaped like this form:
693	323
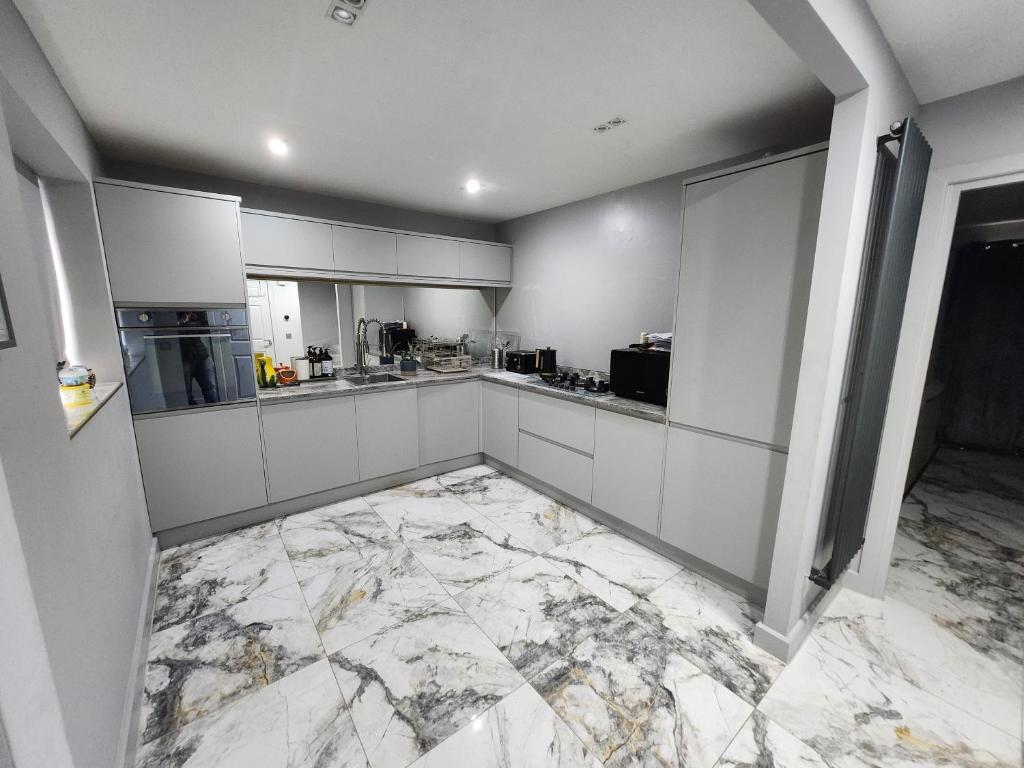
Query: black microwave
641	374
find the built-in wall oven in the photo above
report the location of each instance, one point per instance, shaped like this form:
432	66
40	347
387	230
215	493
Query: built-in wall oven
186	358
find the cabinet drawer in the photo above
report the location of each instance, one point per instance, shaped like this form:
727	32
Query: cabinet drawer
449	416
280	242
628	465
427	256
567	423
501	422
386	427
722	502
310	446
364	250
201	465
480	261
564	469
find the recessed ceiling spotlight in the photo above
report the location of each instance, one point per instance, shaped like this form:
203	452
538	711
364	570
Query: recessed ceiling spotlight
473	186
343	15
346	12
615	122
278	146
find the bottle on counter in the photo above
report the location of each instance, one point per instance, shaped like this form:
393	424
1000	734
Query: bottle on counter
316	369
326	362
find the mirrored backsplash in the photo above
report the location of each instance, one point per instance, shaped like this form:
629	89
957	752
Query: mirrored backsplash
288	316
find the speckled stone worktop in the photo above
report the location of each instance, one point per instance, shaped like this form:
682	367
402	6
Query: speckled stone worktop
424	378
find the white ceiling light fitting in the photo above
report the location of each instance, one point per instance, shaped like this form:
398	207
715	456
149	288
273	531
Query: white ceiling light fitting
278	146
604	127
472	186
346	12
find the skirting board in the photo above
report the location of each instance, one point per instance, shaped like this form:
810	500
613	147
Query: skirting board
784	647
137	678
748	591
193	531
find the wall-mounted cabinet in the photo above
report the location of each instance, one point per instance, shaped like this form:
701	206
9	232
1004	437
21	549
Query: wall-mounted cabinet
484	261
170	246
310	446
365	251
427	256
287	242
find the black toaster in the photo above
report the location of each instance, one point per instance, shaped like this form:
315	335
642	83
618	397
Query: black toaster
521	361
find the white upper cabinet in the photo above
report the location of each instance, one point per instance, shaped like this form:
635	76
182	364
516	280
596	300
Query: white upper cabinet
427	256
365	250
482	261
170	247
747	258
282	242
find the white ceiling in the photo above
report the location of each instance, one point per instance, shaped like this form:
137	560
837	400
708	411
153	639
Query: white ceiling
419	96
948	47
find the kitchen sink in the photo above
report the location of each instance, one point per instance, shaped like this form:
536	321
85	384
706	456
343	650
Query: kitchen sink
372	378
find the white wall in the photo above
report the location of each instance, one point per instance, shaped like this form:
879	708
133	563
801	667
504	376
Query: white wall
590	276
77	505
846	49
319	315
449	312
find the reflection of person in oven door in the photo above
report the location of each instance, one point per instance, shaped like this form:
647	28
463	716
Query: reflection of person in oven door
197	362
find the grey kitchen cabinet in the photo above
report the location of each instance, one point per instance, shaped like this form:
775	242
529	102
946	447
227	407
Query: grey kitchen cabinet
201	464
365	250
484	261
500	417
747	257
299	463
570	424
629	455
387	431
279	241
721	502
427	256
170	247
449	421
556	465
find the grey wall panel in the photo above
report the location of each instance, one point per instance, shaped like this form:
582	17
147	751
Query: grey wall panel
747	256
721	502
590	276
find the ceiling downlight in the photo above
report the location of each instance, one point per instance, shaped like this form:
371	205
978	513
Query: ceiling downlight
606	126
346	12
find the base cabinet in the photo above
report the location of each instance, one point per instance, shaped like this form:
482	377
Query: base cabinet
500	416
387	430
629	455
449	419
310	446
200	465
721	502
555	465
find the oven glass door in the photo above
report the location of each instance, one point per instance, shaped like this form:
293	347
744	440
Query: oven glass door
187	367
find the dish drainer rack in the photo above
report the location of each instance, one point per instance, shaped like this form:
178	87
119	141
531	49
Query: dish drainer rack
442	355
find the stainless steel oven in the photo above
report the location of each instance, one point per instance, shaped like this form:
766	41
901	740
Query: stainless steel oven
186	358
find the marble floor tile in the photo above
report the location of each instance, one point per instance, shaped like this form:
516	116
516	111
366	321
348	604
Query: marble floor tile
420	489
633	698
205	575
715	629
416	516
855	714
468	553
326	538
485	492
616	569
367	596
535	614
764	744
298	722
411	686
463	475
199	665
520	731
541	523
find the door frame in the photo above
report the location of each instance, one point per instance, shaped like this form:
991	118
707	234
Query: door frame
927	279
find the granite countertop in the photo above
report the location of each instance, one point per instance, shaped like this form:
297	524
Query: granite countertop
76	416
424	378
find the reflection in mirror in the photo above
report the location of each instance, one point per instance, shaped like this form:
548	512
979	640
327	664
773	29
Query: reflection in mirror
287	316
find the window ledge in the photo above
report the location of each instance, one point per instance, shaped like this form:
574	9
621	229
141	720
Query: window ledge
77	416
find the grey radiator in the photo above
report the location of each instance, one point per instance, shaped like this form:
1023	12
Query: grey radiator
897	198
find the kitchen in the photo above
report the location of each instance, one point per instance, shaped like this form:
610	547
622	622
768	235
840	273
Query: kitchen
442	416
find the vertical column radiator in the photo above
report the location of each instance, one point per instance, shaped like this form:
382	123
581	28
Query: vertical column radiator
897	199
